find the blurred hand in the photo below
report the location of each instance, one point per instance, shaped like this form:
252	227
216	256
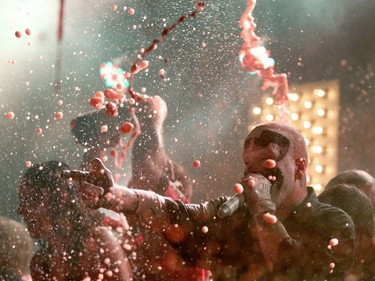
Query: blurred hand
96	186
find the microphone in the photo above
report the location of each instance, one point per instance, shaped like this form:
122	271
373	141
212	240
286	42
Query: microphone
229	207
237	201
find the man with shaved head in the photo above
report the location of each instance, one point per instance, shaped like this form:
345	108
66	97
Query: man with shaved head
276	229
362	212
357	178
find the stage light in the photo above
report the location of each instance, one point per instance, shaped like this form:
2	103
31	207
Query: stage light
307	124
317	149
319	92
317	130
269	117
294	116
319	169
257	110
308	104
314	111
269	101
320	112
293	97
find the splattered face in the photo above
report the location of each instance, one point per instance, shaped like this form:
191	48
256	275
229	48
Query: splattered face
267	144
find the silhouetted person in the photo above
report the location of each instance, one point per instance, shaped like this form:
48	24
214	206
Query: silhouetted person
74	245
153	169
358	178
351	191
16	250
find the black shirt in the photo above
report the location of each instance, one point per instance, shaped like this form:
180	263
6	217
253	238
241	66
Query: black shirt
231	250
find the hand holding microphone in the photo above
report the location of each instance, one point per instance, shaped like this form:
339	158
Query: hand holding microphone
257	193
257	197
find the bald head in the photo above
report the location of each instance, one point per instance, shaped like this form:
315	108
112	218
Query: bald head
357	178
351	177
284	135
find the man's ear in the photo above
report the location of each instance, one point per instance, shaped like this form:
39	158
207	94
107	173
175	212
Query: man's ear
301	165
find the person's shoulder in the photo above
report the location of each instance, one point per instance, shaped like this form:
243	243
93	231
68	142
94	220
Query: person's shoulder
333	219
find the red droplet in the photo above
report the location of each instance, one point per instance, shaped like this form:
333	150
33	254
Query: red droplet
28	164
269	164
126	128
113	153
112	94
18	34
196	163
131	11
238	188
114	7
97	102
204	229
99	94
59	115
27	31
119	86
10	115
272	219
111	109
104	129
39	131
251	182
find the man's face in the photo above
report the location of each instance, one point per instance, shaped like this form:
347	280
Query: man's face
33	210
264	144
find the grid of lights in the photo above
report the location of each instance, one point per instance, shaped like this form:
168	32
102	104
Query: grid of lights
314	111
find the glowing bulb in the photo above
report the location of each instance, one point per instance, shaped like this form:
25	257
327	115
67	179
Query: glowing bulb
269	117
269	101
308	104
321	112
319	92
317	187
307	141
317	130
257	110
294	116
307	124
319	169
317	149
293	96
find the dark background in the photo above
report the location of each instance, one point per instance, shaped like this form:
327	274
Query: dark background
207	91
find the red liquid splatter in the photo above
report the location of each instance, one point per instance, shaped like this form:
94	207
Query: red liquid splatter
113	95
153	46
196	163
269	164
27	31
111	109
18	34
97	102
271	219
10	115
255	58
126	128
59	115
238	188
